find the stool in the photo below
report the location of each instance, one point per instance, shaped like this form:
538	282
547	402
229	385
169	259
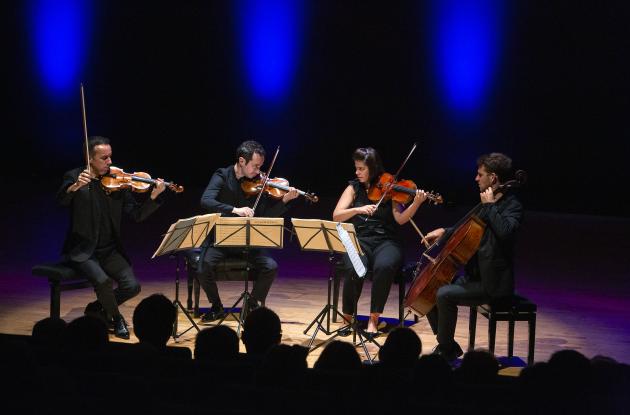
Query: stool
61	277
510	309
229	269
401	279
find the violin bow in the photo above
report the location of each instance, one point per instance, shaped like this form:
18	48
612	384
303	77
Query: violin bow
85	133
264	183
413	148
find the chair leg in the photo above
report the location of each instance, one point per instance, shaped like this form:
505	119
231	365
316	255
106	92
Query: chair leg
472	328
196	290
492	332
510	338
532	340
55	299
335	297
190	287
401	303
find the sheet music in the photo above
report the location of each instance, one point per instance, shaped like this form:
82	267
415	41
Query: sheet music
352	252
186	233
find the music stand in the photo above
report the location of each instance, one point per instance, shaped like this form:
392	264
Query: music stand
183	235
247	233
322	235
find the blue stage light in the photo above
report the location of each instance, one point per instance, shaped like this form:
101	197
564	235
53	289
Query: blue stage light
59	34
270	36
466	36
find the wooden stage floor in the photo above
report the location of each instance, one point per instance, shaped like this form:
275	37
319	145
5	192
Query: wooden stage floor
298	300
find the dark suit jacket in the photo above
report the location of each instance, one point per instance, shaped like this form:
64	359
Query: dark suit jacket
493	263
84	215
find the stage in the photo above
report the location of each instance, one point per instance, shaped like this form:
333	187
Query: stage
572	266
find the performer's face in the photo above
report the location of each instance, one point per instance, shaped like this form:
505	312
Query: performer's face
362	171
485	179
101	159
251	169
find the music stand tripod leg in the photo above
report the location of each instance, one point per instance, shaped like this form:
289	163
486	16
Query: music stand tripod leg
245	297
179	306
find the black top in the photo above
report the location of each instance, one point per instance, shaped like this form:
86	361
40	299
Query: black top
381	224
493	262
88	217
224	193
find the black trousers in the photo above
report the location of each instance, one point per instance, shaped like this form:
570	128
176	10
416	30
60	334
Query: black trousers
443	317
102	269
384	257
264	270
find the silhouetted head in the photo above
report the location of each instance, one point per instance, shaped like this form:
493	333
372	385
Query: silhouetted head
153	320
86	334
261	331
338	356
49	331
218	343
401	349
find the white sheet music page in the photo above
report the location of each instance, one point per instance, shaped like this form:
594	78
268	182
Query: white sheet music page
352	251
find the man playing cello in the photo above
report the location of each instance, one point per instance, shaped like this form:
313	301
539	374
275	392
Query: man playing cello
489	274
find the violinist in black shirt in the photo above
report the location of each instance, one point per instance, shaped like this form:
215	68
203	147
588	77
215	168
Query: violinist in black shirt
93	244
378	235
224	195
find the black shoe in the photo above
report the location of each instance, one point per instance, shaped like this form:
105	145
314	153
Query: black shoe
344	331
120	328
449	354
252	304
370	335
215	313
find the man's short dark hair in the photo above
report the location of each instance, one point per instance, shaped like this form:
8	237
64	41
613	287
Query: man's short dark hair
497	163
96	140
247	150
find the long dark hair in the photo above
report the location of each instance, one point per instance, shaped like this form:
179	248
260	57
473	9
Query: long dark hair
371	159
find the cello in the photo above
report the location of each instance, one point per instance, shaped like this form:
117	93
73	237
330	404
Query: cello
453	253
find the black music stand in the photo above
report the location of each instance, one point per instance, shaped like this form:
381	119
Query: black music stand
323	235
247	233
182	235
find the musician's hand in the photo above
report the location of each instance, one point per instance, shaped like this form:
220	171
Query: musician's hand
243	211
487	196
366	210
158	188
434	235
290	195
420	197
83	179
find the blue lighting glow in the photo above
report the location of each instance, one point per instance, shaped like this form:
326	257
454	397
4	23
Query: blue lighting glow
466	36
270	34
59	31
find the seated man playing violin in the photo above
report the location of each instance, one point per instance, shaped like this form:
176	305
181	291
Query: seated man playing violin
377	229
93	245
224	194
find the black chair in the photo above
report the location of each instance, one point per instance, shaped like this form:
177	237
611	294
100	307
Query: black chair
230	269
510	309
61	277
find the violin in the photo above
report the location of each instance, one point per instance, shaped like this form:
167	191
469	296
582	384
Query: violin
401	191
118	179
276	187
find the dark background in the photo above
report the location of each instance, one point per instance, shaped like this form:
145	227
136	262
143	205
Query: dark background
164	81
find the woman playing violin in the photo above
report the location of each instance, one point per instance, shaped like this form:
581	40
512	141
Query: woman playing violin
93	244
377	229
225	195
